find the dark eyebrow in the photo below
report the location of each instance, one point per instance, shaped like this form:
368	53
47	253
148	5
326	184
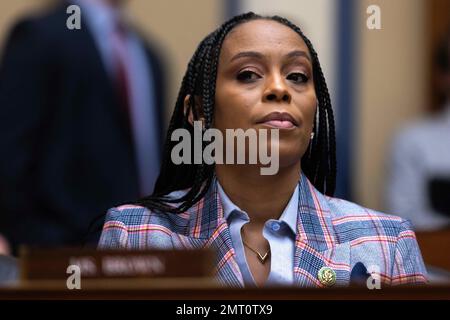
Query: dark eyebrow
250	54
298	53
257	55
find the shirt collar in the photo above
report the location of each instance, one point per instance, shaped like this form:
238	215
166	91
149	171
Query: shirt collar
289	215
228	206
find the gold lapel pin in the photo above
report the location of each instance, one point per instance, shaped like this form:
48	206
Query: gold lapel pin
327	276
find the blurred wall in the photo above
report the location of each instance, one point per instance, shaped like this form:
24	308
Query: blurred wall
392	87
176	26
11	10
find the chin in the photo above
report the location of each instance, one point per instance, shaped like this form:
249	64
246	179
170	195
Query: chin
289	155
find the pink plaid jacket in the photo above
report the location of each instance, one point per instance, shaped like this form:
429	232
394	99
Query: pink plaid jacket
330	233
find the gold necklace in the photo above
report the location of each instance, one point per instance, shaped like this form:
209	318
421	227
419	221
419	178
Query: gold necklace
262	258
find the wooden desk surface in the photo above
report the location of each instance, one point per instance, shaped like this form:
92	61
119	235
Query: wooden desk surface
435	247
208	290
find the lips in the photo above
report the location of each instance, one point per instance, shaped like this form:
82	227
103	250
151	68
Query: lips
281	120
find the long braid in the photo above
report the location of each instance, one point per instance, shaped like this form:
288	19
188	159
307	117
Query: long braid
193	73
330	143
330	146
331	180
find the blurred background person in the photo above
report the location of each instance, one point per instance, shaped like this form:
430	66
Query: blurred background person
419	181
81	121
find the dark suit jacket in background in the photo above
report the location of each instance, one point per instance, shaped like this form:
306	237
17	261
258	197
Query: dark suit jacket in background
66	149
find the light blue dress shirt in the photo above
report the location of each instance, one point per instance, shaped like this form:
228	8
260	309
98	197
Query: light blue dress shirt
279	233
101	20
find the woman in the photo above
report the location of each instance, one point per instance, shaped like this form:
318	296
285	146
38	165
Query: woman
263	73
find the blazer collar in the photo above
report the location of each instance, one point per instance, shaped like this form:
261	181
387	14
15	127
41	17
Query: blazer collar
316	245
207	228
314	222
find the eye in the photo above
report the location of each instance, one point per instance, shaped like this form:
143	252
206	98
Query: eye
298	78
248	76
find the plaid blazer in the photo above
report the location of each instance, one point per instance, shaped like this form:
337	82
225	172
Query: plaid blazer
331	233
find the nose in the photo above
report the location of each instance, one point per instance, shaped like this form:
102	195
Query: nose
276	90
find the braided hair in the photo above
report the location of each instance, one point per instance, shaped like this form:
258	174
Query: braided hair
318	163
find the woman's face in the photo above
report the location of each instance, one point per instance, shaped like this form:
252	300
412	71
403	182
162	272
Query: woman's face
265	72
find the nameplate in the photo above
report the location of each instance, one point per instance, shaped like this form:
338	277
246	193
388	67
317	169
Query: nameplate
54	264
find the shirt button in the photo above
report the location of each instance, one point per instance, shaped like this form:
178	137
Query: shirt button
275	226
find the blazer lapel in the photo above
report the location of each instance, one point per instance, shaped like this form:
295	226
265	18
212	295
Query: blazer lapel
316	245
208	229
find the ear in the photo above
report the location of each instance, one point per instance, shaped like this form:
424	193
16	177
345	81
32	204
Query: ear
188	109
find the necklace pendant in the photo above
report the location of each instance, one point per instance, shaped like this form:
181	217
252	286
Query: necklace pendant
263	258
